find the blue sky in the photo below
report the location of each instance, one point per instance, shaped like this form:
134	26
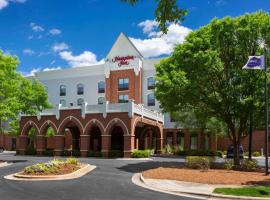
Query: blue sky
47	34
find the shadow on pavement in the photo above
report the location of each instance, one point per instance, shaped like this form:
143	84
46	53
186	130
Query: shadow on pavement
139	167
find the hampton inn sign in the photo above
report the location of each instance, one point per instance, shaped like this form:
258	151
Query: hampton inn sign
124	60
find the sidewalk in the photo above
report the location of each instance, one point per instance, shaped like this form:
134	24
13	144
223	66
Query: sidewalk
196	190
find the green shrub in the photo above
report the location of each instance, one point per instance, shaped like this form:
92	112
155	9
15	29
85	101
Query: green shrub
48	167
73	161
199	162
181	153
92	153
228	164
30	150
177	150
219	154
115	154
256	154
250	165
141	153
246	153
167	149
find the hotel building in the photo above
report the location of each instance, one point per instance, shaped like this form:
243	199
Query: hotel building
106	107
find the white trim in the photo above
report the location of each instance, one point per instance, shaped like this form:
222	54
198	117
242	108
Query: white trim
95	121
69	117
30	122
116	120
48	122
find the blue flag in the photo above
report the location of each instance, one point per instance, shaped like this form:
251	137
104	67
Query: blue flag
255	62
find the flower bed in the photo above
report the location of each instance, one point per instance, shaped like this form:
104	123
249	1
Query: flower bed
53	167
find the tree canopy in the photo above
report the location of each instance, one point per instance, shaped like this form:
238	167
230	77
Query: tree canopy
167	11
205	73
17	93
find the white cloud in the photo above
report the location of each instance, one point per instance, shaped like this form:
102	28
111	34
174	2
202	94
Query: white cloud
57	47
55	31
36	28
51	68
86	58
28	52
158	43
148	26
221	2
35	70
5	3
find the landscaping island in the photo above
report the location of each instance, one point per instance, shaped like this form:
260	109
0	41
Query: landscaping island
53	170
248	179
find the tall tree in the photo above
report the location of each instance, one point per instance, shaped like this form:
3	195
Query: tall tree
167	11
17	93
206	72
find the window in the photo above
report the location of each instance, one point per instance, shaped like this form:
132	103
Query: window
101	100
80	89
63	103
151	100
123	98
101	87
80	102
63	90
151	83
193	142
123	84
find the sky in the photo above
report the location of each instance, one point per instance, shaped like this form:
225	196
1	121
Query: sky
55	34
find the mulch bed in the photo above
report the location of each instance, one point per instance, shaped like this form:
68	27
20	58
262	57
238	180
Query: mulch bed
211	176
63	169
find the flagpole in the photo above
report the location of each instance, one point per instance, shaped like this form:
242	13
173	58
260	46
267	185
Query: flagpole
266	112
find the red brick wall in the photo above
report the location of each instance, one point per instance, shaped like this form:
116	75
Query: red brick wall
6	141
135	85
257	142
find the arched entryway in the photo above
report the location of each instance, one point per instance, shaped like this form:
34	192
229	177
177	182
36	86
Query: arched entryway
95	139
117	142
29	142
147	137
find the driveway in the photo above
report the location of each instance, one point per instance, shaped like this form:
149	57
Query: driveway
110	180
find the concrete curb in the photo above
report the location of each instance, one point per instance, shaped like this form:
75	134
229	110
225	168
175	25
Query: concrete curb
138	179
77	174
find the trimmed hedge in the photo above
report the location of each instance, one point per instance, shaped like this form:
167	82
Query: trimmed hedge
141	153
199	162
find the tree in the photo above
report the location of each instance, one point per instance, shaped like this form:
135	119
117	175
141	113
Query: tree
18	94
167	11
206	72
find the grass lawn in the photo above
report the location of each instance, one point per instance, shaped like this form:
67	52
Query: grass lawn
258	191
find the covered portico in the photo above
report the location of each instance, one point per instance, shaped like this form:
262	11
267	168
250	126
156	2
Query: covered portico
102	128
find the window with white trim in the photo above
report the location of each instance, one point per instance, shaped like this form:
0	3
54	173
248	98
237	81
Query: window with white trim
151	101
123	98
123	84
151	83
101	100
63	90
80	89
80	102
63	103
101	87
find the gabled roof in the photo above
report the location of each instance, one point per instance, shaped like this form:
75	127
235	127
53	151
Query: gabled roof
123	42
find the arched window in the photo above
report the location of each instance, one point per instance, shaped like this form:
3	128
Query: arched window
63	90
80	89
101	87
63	103
151	100
80	102
151	83
101	100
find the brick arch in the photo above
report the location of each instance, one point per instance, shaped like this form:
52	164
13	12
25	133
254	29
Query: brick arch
44	127
92	123
134	124
116	122
68	119
27	127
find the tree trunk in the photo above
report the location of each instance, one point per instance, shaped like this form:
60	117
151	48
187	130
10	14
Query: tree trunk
236	146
